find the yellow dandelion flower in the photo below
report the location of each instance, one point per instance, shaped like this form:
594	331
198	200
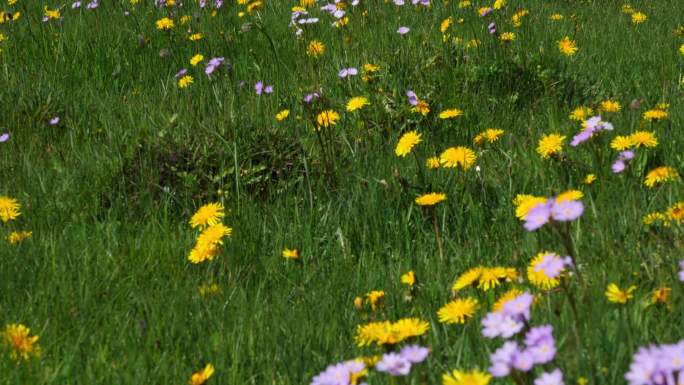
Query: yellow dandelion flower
430	199
406	143
681	49
207	215
638	17
327	118
504	298
445	24
450	113
473	377
507	37
307	3
676	212
9	208
581	113
468	278
569	195
315	48
19	339
458	156
643	139
374	297
409	327
282	115
374	332
408	278
654	217
655	114
490	135
203	252
589	179
610	106
164	24
18	236
616	295
51	14
457	311
550	145
660	175
432	162
567	46
195	37
202	376
621	143
185	81
556	17
213	235
464	4
422	108
491	277
525	203
498	4
537	276
254	6
290	253
357	103
195	60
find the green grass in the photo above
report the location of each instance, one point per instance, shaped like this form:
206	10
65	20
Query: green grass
105	283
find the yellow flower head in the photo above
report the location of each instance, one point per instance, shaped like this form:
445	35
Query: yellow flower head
290	253
490	135
430	199
655	114
315	48
422	108
327	118
676	212
195	60
643	139
446	23
388	333
457	311
23	345
556	17
616	295
567	47
9	208
202	376
185	81
18	236
195	37
203	252
213	235
638	17
507	37
537	275
432	162
660	175
458	156
406	143
451	113
374	297
610	106
569	195
282	115
589	179
473	377
468	278
525	203
408	278
621	143
581	113
661	295
550	145
164	24
207	215
356	103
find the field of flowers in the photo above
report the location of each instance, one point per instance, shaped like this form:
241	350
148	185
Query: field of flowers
350	192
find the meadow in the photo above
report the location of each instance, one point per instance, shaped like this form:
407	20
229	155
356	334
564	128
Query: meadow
382	192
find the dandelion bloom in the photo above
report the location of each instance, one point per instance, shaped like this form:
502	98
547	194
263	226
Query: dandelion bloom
195	60
556	17
490	135
491	277
185	81
610	106
9	208
18	236
621	143
390	333
661	295
643	139
550	145
422	107
327	118
655	114
357	103
450	113
581	113
589	179
432	162
457	311
567	46
202	376
638	17
195	37
374	297
676	212
282	115
616	295
569	195
473	377
290	253
208	215
524	203
445	24
458	156
507	37
430	199
23	345
468	278
164	24
660	175
406	143
315	48
408	278
545	269
203	252
214	234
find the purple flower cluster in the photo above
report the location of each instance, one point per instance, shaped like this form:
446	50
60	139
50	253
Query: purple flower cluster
510	319
657	365
259	88
552	265
299	18
338	374
541	214
332	9
591	126
681	263
622	160
399	364
213	64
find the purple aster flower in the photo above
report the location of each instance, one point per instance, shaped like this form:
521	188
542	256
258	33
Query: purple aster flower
550	378
202	3
492	28
181	73
403	30
644	365
414	353
345	72
330	8
4	137
412	98
618	166
76	5
502	359
538	216
583	136
681	263
523	361
626	155
338	374
268	89
218	4
259	88
213	64
54	121
537	334
552	265
354	3
92	5
567	210
519	307
498	324
399	2
394	364
339	13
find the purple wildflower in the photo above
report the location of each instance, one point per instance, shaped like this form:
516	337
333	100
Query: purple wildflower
308	98
93	4
399	2
567	210
553	265
54	121
268	89
4	137
519	307
412	98
618	166
540	344
626	155
213	64
656	364
502	359
76	5
583	136
622	160
414	353
538	216
218	4
202	3
259	88
681	263
523	361
345	72
492	28
181	73
394	364
338	374
550	378
403	30
498	324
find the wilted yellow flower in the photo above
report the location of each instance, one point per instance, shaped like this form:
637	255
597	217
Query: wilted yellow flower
430	199
458	156
164	24
616	295
207	215
290	253
661	295
23	345
464	4
451	113
473	377
254	6
567	47
327	118
282	115
315	48
550	144
676	212
627	9
9	208
408	278
17	236
202	376
357	103
422	108
185	19
374	297
660	175
556	17
638	17
457	311
406	143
